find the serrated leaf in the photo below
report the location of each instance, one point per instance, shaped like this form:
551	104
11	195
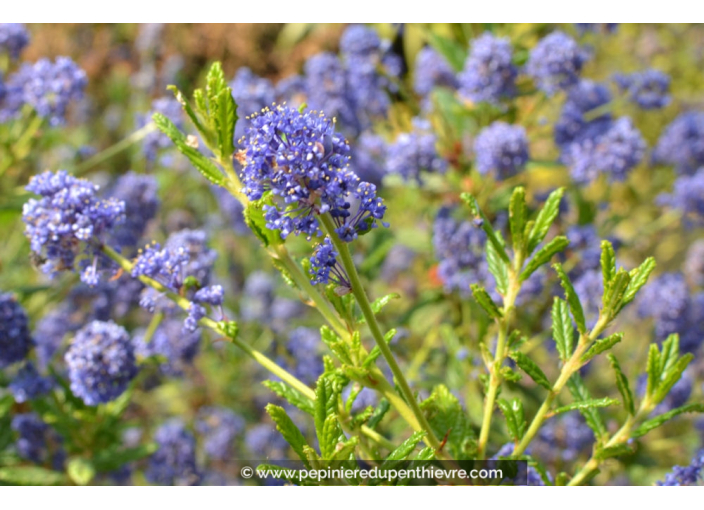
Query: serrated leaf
622	385
572	298
379	413
639	277
543	256
529	367
497	267
484	299
517	217
225	120
587	404
403	450
653	370
203	164
562	329
545	218
613	294
426	453
344	449
580	393
204	131
327	392
291	395
215	83
31	475
602	345
375	352
670	378
515	418
331	435
608	262
288	430
448	420
254	218
653	423
336	345
471	202
81	471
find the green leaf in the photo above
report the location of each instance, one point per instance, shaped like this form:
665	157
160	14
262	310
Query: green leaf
448	419
497	267
426	453
375	352
331	436
639	277
562	329
225	120
288	430
254	218
580	393
653	423
587	404
614	451
326	395
81	471
215	83
344	449
291	395
197	122
517	217
515	418
484	299
403	450
545	218
613	294
529	367
114	458
203	164
608	262
602	345
572	298
544	255
622	385
379	304
336	345
670	378
30	475
454	53
379	413
471	202
653	370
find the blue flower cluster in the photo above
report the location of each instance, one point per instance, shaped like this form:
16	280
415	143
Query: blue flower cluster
48	87
324	267
368	157
251	93
489	73
300	158
556	62
28	384
682	143
501	149
649	89
13	38
564	437
174	463
69	220
101	362
36	441
415	152
431	71
219	428
139	194
687	196
686	475
15	338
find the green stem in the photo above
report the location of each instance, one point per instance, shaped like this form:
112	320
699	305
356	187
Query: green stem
260	358
572	365
365	306
113	150
504	323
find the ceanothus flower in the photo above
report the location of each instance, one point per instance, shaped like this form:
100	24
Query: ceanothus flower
324	267
649	89
219	427
489	73
572	125
68	221
13	38
28	384
501	149
48	87
174	463
15	338
101	362
139	193
687	196
292	90
686	475
305	164
682	143
328	90
368	157
665	299
156	140
178	347
613	153
555	63
415	152
432	70
35	439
